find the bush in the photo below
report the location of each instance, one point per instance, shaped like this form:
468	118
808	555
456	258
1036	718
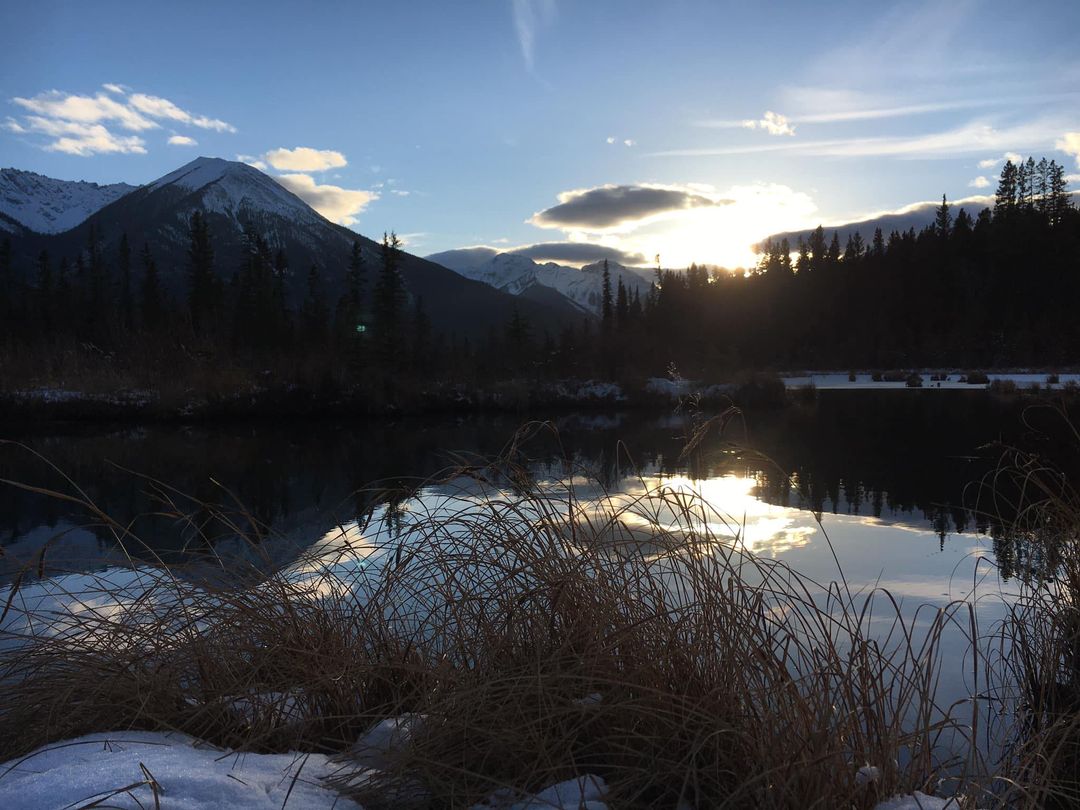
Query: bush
1052	379
895	376
535	634
977	378
760	389
913	380
851	376
876	376
1004	387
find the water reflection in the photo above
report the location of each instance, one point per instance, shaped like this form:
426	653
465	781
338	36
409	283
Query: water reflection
892	464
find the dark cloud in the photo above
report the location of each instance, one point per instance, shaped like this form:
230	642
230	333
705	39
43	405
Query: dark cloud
578	253
607	206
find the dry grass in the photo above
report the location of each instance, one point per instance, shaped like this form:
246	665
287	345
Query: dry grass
537	631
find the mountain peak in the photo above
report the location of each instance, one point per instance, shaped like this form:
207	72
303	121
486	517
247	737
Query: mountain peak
228	186
203	171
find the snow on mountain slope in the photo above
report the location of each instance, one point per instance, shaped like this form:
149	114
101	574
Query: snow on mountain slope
46	205
514	273
227	187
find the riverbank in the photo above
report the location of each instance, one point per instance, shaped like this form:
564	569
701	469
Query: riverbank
265	400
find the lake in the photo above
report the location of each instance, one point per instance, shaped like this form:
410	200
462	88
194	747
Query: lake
891	475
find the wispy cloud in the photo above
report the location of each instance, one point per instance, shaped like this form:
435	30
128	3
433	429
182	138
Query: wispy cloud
182	140
990	163
530	16
340	205
82	124
970	138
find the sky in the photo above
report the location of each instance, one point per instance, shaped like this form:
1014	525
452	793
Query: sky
689	129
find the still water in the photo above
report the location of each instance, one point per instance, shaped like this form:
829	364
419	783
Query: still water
885	484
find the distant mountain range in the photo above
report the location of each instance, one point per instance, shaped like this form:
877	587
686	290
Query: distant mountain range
519	275
45	205
39	213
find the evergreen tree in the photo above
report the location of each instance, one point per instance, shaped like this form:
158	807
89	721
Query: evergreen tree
606	311
622	306
151	304
388	301
314	313
879	244
123	264
1005	198
202	283
943	220
45	294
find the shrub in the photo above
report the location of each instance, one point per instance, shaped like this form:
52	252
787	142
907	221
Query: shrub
876	376
977	378
760	389
1052	379
914	380
895	376
1004	387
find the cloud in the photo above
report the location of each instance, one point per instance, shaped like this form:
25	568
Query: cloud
1069	143
252	160
629	142
340	205
578	253
77	138
158	107
772	122
611	139
529	17
990	163
970	138
980	182
85	109
305	159
81	124
612	206
182	140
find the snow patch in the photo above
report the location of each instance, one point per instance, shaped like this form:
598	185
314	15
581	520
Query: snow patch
128	769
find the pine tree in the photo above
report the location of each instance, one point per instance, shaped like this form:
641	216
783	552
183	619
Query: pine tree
622	306
1058	193
943	220
1005	198
314	314
389	299
152	309
123	264
201	281
6	303
45	293
420	345
605	298
879	244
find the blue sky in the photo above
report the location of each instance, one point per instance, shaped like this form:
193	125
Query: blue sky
684	128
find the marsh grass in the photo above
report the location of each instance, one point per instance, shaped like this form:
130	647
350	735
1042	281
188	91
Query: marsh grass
531	631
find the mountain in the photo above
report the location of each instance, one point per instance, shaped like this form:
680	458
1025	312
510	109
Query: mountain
236	196
916	216
521	276
45	205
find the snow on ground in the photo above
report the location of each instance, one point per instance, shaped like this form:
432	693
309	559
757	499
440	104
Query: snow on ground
139	769
125	768
825	381
46	205
918	801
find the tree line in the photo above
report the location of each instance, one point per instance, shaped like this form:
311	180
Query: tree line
991	289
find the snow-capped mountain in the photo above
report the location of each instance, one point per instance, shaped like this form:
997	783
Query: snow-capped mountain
45	205
236	197
516	274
